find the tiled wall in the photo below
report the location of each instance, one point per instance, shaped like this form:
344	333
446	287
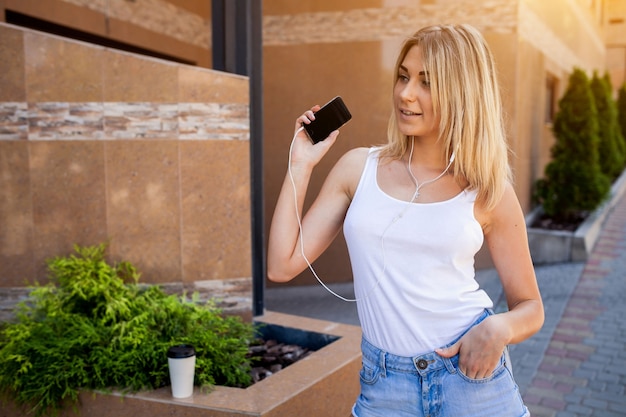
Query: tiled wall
98	145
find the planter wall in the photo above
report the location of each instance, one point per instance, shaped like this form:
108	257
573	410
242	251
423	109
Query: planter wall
555	246
324	383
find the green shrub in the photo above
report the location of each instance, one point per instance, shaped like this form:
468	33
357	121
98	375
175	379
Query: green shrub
611	144
94	327
621	111
573	182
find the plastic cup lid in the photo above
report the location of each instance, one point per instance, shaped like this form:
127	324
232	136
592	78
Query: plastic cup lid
181	351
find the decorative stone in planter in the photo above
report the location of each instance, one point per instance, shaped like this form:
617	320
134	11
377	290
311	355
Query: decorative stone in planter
325	383
554	246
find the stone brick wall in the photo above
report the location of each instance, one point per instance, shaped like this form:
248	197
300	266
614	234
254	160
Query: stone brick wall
100	145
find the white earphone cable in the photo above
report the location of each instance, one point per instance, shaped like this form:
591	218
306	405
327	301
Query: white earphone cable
382	237
295	201
417	184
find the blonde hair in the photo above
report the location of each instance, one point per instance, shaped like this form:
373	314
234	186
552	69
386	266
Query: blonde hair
466	95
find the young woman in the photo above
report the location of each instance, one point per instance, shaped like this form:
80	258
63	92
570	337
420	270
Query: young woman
414	213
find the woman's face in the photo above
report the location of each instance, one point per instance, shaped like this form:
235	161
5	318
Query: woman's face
412	98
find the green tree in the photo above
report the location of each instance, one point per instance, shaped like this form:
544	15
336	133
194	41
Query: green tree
610	145
621	112
573	181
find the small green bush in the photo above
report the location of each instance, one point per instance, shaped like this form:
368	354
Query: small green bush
94	327
621	111
573	181
611	144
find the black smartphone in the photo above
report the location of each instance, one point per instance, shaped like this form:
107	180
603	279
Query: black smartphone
329	118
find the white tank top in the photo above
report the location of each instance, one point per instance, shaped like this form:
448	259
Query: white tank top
415	287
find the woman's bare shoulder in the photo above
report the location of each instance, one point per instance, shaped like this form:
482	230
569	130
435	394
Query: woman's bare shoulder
353	161
349	168
507	210
357	155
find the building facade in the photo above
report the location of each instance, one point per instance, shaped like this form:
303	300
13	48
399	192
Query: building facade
318	49
114	127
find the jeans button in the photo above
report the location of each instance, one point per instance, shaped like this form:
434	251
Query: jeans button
422	364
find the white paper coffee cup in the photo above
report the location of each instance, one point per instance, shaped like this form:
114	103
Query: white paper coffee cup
181	360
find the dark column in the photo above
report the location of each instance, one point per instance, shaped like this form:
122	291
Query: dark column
238	48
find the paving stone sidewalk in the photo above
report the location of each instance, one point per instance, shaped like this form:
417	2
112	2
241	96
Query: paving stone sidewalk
582	371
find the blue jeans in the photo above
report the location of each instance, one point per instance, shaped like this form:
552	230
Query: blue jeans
431	386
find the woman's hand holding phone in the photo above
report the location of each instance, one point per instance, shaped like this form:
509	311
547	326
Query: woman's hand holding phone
304	152
328	118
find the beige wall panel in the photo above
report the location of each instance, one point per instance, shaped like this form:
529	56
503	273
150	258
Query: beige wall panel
132	78
616	65
522	81
522	72
530	121
297	77
545	146
615	21
197	86
215	184
16	215
616	32
67	183
155	255
61	70
12	84
143	209
504	50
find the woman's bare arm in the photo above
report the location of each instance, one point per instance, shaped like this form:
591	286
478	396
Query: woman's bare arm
506	236
323	221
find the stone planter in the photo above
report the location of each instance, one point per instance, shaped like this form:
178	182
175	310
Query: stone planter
553	246
324	383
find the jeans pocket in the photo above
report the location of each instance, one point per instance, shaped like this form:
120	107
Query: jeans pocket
496	372
370	371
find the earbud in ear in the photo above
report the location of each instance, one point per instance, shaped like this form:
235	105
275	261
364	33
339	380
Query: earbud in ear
452	157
